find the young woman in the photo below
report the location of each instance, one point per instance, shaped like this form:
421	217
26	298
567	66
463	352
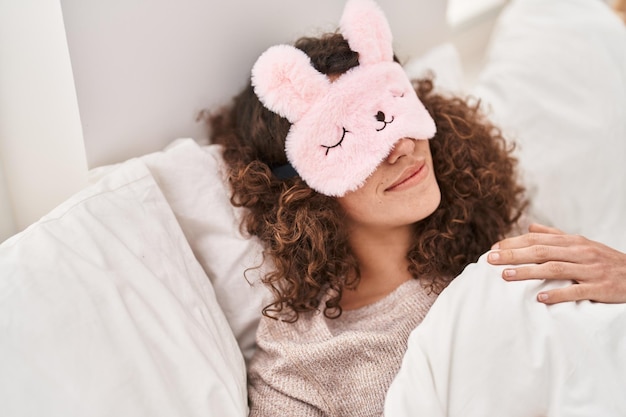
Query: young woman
356	271
358	255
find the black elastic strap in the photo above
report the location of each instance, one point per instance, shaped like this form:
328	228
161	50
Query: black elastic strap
284	172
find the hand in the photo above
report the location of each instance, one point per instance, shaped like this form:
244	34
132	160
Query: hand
599	272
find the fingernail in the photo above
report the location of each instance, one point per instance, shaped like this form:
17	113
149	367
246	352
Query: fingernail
510	273
542	296
494	256
495	246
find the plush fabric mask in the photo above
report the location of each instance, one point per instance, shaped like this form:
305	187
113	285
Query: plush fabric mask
342	130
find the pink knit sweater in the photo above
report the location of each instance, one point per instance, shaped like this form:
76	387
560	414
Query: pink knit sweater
341	367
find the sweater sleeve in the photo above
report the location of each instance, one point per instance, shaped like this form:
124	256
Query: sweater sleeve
267	401
277	385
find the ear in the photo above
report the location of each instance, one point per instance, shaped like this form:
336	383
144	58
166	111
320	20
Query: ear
365	27
286	82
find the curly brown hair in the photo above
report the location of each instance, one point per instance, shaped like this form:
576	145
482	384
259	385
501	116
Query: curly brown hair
304	232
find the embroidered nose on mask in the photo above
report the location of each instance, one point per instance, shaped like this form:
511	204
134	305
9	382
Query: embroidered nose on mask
380	116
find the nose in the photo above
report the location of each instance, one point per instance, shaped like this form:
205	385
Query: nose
403	147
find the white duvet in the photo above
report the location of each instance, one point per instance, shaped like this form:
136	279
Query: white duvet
488	348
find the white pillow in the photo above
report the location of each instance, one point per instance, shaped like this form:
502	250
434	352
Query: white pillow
555	78
192	179
104	311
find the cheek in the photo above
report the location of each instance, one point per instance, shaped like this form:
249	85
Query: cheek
354	205
417	205
362	206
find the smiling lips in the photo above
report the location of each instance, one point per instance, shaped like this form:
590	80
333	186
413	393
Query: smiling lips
411	175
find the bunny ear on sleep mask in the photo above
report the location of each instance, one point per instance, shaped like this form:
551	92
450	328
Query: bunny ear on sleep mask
342	130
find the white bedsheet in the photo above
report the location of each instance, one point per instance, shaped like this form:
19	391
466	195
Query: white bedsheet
105	311
488	348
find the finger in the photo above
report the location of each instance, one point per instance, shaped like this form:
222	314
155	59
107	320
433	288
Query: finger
547	270
574	292
533	254
540	228
535	238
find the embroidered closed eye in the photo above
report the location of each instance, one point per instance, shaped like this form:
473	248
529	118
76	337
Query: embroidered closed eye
380	116
343	136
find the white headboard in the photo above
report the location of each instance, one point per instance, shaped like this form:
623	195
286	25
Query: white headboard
143	69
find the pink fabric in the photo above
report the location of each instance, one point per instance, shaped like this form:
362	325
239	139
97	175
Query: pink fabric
342	130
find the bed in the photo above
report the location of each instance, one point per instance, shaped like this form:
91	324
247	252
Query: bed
138	295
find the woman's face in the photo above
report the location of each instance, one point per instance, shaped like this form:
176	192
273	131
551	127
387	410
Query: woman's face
402	190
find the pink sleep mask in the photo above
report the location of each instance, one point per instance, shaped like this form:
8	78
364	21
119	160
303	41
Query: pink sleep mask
342	130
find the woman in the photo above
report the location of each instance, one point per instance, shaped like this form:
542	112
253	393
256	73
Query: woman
357	265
